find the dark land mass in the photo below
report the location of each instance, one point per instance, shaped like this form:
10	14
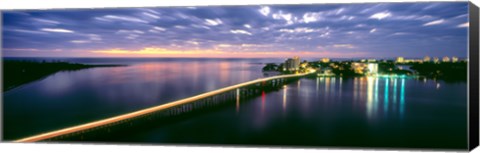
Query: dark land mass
450	72
17	73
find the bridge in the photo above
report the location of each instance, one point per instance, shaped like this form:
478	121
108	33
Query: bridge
175	108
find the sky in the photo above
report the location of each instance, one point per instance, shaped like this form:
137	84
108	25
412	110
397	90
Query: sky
369	30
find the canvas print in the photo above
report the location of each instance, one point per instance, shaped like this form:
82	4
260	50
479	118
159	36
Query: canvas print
365	75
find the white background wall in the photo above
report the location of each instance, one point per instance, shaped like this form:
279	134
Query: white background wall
109	148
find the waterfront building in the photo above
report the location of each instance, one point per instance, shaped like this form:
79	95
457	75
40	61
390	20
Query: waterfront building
454	59
292	64
359	68
435	59
296	61
325	60
304	64
400	60
446	59
412	60
426	59
372	68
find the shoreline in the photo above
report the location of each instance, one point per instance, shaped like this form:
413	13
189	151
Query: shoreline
19	73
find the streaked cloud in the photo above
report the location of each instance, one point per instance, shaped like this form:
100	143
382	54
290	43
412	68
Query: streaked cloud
436	22
120	18
343	46
28	31
387	29
58	30
463	25
129	32
151	15
240	32
381	15
79	41
213	22
45	21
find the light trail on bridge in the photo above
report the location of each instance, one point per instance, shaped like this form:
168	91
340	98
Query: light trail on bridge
153	109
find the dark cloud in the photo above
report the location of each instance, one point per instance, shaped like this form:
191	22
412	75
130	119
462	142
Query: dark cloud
378	29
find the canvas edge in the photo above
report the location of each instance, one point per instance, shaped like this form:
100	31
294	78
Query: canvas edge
473	107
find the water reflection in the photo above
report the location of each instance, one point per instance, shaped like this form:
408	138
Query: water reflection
117	90
385	107
284	103
263	102
370	102
374	87
340	87
402	98
332	112
237	103
355	89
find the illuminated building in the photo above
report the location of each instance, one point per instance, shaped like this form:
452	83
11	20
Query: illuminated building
359	68
426	59
304	64
400	60
325	60
436	60
446	59
412	60
292	64
454	59
372	68
365	68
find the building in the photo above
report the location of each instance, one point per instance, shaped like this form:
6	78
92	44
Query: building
400	60
435	59
304	64
292	64
412	60
325	60
365	68
296	61
372	68
359	68
426	59
454	59
446	59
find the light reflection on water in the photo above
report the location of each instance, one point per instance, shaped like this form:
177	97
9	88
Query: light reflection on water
373	92
364	111
321	111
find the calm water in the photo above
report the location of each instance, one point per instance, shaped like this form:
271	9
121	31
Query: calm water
382	112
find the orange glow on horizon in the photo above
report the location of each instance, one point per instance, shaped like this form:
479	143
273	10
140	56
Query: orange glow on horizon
162	52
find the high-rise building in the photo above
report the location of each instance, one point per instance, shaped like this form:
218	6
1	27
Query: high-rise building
454	59
292	64
426	59
325	60
446	59
435	59
296	61
400	60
